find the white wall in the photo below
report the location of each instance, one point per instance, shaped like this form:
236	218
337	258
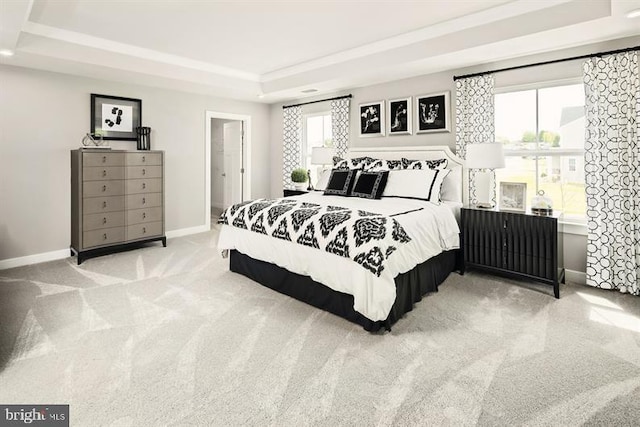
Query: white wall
44	115
575	245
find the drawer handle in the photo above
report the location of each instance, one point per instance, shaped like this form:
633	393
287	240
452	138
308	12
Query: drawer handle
504	224
143	159
144	200
144	172
144	230
144	185
104	205
104	220
104	173
104	159
104	188
104	236
144	215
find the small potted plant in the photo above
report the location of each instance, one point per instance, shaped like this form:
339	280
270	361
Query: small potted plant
299	177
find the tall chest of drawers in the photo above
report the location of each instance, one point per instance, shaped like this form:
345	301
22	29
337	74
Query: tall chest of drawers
117	200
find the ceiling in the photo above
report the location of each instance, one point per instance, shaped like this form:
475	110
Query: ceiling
270	51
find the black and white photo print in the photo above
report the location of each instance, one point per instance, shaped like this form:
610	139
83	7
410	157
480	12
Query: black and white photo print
115	117
432	113
399	114
372	119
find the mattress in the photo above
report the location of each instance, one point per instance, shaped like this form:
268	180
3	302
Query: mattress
432	228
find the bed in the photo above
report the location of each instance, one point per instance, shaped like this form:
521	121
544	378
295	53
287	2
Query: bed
368	261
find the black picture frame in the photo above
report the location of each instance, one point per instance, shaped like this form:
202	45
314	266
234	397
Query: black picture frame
399	116
115	118
432	113
372	119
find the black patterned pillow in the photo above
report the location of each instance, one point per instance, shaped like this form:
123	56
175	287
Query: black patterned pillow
424	164
341	182
383	165
355	163
370	185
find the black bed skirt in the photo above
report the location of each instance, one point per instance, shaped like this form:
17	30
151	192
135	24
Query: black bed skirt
410	286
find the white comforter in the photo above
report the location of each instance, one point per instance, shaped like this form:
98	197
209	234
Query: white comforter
432	230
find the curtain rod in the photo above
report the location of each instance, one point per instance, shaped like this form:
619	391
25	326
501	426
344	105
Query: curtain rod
319	100
554	61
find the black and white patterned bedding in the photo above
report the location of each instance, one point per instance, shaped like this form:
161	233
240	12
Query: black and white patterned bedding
365	237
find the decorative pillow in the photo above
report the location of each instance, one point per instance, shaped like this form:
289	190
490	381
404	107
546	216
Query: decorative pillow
323	179
341	182
424	164
370	185
451	186
383	165
423	184
355	163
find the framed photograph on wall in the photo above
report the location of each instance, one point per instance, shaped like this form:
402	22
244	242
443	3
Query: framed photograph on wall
399	114
115	118
513	196
372	119
432	113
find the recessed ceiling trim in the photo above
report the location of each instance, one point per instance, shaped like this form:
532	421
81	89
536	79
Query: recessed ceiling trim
498	13
126	49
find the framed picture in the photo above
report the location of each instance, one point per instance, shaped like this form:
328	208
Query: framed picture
513	196
399	115
432	113
372	119
115	118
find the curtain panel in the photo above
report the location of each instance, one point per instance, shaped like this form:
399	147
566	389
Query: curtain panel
612	171
475	110
291	143
340	125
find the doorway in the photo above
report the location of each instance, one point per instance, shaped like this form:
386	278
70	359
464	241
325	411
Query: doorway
227	154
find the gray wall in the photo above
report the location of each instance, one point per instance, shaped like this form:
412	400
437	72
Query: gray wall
43	115
575	245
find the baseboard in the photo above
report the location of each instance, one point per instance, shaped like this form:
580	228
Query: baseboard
64	253
34	259
186	231
578	277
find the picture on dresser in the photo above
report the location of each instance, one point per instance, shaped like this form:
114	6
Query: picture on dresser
513	196
432	113
115	118
400	116
372	119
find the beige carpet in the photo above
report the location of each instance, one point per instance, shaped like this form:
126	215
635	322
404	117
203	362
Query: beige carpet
168	336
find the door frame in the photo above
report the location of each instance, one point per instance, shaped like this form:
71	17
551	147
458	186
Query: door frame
246	157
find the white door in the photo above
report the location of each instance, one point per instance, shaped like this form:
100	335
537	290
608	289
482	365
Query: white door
233	172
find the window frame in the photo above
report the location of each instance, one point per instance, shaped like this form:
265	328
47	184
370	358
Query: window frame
304	142
577	224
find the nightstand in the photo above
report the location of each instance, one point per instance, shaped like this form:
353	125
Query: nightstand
291	192
518	244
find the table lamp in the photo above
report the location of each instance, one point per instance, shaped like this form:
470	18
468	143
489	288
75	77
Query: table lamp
321	156
484	157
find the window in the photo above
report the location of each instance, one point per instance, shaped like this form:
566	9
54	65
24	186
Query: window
542	130
316	133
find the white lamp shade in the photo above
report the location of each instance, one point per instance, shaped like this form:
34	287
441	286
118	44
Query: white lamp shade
485	156
321	155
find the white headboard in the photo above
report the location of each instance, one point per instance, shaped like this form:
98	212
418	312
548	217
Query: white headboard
456	164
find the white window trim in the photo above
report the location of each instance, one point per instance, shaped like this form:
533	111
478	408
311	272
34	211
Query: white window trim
303	143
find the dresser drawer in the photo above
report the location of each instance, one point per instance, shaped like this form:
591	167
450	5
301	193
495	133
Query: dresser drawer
105	236
150	185
104	173
139	201
103	159
142	159
103	188
103	204
102	220
138	216
140	172
142	231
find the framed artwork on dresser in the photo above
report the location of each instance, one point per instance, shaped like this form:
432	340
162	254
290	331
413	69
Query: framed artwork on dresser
115	118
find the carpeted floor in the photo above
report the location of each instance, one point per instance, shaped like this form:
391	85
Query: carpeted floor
168	336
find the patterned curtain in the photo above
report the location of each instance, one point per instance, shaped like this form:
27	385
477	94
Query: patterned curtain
340	125
612	170
474	119
292	139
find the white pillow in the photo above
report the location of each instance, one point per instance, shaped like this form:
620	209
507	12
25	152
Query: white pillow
323	179
423	184
452	186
